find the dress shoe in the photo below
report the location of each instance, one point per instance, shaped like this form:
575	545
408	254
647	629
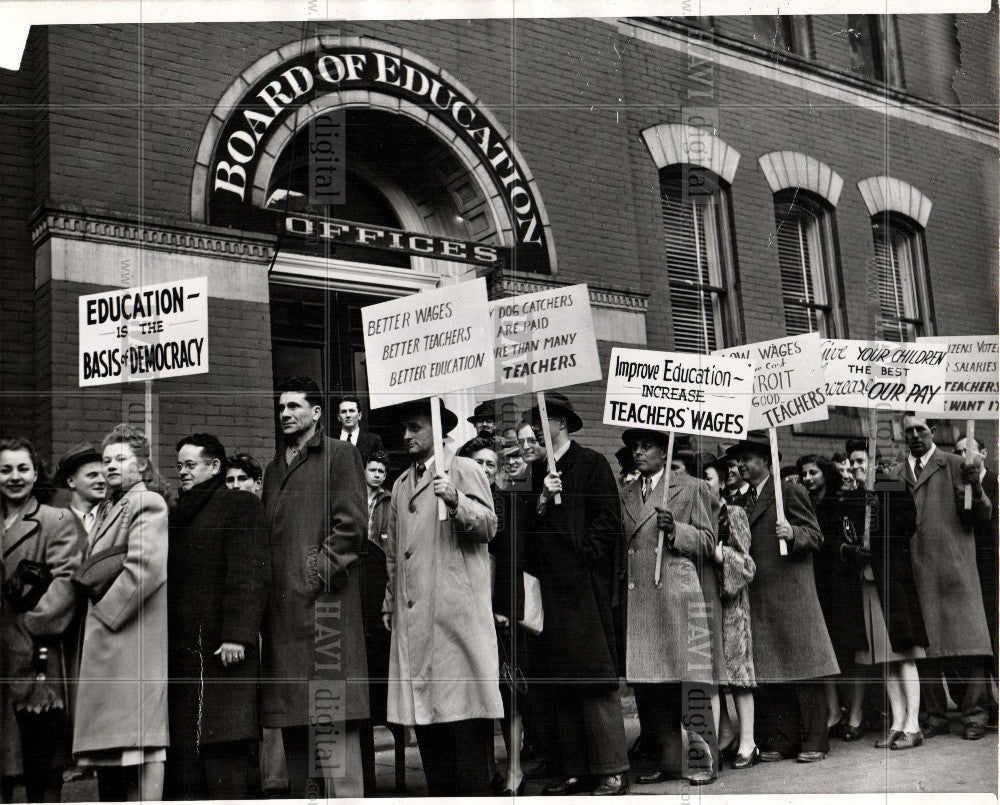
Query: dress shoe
701	778
655	777
890	737
746	761
611	786
810	757
837	730
853	733
973	732
571	785
930	730
772	756
908	740
731	749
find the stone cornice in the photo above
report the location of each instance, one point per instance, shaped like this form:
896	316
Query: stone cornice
195	239
614	299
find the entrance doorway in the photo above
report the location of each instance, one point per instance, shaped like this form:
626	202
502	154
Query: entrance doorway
317	333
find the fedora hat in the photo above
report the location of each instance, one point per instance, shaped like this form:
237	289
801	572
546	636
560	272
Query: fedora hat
416	407
755	442
632	435
73	459
559	405
485	410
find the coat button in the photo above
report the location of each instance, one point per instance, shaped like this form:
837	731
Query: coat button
407	554
409	604
413	508
631	585
631	551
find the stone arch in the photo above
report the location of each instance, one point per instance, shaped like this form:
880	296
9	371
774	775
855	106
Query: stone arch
787	170
888	194
673	144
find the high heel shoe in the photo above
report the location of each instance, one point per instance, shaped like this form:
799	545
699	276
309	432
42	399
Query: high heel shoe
746	761
731	750
890	738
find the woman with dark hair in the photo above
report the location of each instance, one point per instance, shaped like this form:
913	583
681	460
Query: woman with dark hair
120	724
507	554
40	554
837	568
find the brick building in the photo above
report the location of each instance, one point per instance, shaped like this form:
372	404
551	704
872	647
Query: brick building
713	180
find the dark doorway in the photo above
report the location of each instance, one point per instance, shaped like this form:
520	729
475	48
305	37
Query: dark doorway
317	333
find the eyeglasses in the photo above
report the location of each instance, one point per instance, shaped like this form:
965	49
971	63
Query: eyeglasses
189	465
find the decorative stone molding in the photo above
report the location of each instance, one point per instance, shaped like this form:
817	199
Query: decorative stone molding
887	194
787	170
108	229
673	144
599	297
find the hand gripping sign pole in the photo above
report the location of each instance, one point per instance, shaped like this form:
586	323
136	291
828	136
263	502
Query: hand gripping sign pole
438	450
666	497
543	414
779	501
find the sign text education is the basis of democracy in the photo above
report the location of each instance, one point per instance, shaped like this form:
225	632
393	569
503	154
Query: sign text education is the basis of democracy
145	333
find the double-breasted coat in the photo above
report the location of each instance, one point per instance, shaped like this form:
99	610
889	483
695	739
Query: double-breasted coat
790	641
660	622
48	535
121	700
317	516
218	570
443	663
572	550
943	551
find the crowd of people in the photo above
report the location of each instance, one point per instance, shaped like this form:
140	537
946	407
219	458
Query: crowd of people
249	634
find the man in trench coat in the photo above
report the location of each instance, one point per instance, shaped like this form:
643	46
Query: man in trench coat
443	664
660	619
571	549
791	645
314	665
943	552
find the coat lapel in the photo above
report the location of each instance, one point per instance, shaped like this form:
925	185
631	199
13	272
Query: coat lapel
936	463
764	502
648	509
315	442
20	531
110	515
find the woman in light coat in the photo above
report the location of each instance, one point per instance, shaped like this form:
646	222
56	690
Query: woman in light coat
120	724
33	725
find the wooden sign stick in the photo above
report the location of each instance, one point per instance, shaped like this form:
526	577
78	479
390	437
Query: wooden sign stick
666	498
970	437
779	501
543	414
438	451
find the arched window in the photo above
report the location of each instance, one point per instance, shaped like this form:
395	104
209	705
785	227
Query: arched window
701	258
904	298
805	233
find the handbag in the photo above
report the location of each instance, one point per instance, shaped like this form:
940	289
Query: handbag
534	617
98	572
26	586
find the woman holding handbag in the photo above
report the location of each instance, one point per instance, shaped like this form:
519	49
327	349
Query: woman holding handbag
120	725
40	554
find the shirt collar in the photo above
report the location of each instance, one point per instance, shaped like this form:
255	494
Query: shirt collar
654	479
923	459
760	486
558	454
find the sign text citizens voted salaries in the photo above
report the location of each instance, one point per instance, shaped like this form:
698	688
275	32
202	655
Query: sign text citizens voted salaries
683	392
788	385
144	333
543	340
971	383
428	344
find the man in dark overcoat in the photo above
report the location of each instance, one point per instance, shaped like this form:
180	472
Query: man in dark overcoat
571	549
943	552
314	667
791	645
218	570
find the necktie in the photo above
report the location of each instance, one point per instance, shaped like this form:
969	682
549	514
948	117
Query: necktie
646	489
751	498
88	521
917	467
420	470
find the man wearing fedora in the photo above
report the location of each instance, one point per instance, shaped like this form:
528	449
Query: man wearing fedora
80	472
791	645
571	549
443	663
659	659
484	420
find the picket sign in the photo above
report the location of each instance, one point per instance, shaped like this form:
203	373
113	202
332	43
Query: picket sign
436	433
779	500
666	497
970	385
